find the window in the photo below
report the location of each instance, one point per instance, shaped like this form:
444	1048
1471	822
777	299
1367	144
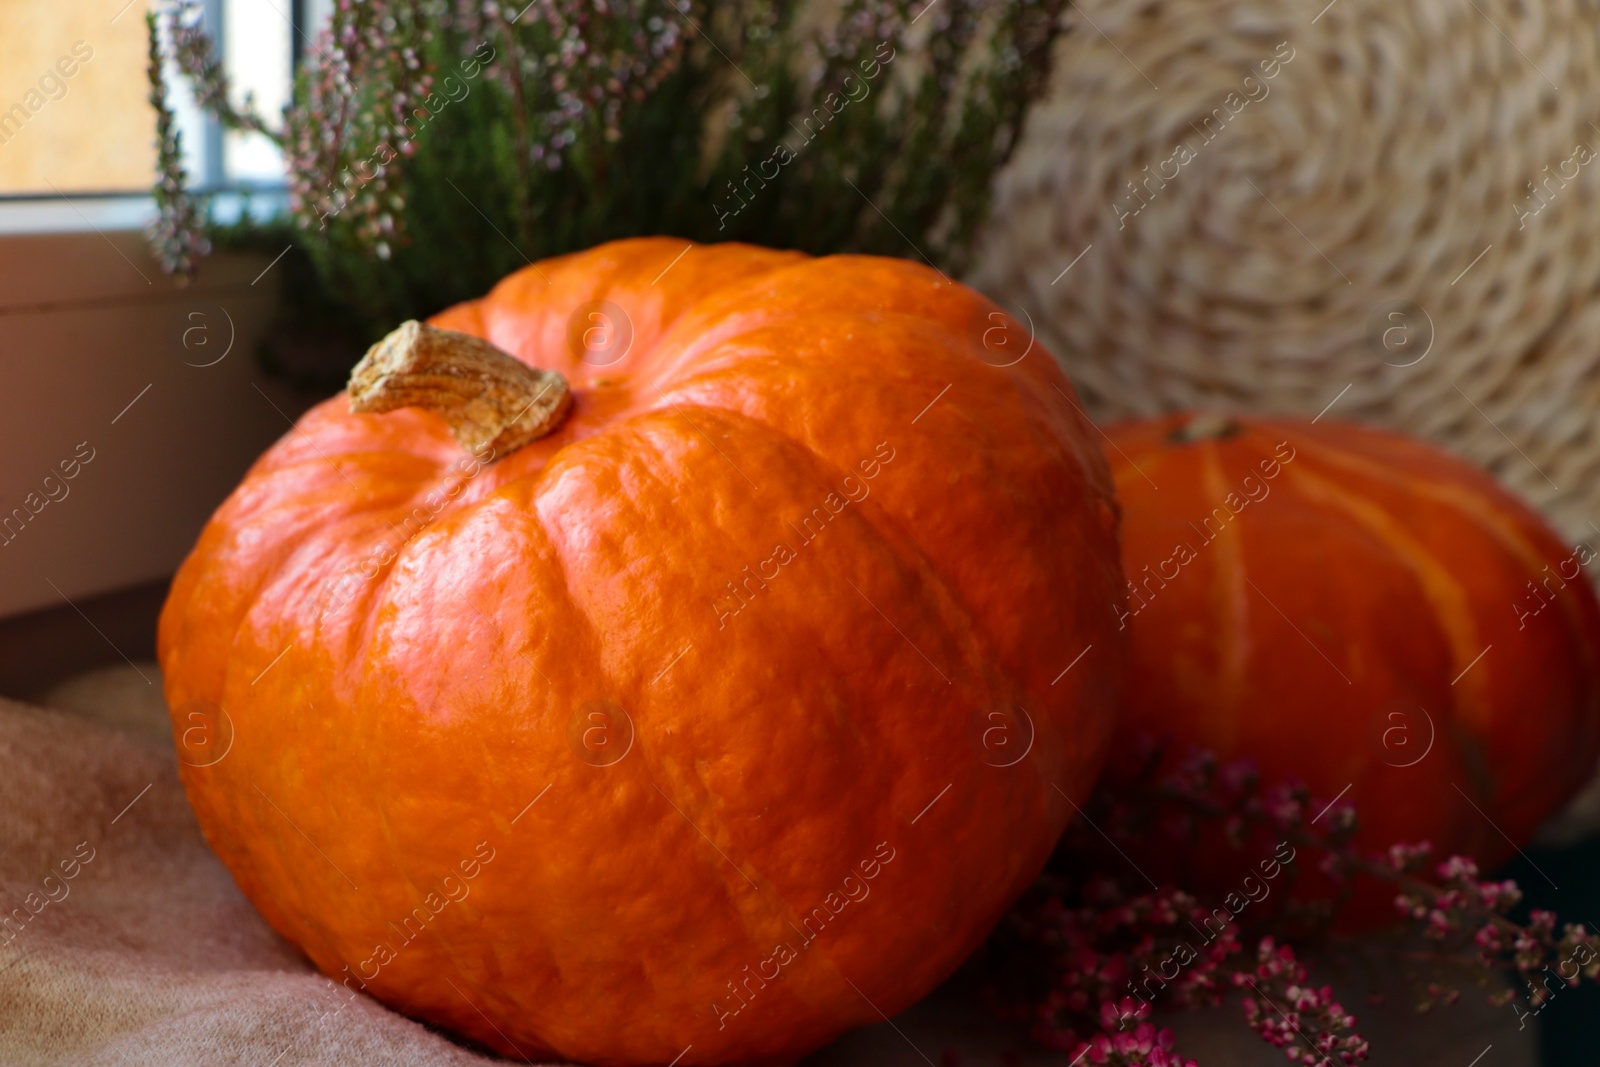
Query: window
98	344
73	115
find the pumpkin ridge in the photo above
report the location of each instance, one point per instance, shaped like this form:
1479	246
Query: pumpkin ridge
1468	707
765	904
1508	532
946	604
1443	592
747	301
1044	421
820	463
1230	587
699	358
686	311
820	466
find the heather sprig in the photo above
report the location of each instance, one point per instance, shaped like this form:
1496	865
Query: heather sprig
1289	1013
1143	1046
196	57
175	234
1094	960
1097	953
366	92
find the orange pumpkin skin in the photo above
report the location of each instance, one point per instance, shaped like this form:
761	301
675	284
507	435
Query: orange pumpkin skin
413	795
1298	592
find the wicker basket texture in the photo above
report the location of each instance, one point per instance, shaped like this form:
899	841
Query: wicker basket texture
1383	210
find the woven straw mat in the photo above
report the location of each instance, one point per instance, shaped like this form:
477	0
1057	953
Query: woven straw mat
1379	209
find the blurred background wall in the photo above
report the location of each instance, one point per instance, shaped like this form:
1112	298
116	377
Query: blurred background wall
92	129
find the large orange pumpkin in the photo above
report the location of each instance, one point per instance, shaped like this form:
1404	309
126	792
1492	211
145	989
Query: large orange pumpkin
1359	611
727	716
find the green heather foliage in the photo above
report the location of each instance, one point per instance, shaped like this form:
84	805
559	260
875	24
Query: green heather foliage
435	146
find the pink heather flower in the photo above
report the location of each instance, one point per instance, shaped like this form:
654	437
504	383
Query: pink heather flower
1114	936
1145	1047
1458	869
1240	776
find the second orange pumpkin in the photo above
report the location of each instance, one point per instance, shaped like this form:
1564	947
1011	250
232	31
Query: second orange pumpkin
1359	611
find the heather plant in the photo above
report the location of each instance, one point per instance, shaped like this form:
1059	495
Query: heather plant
433	146
1086	959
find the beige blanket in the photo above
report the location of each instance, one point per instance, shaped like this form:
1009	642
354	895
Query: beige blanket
125	941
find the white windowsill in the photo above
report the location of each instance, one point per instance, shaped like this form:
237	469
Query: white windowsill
108	213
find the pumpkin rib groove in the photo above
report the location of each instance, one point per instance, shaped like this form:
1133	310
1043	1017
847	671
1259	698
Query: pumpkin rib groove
1044	415
756	291
749	915
387	596
703	819
1231	580
946	595
830	474
1451	612
444	943
1443	592
1508	531
713	864
702	362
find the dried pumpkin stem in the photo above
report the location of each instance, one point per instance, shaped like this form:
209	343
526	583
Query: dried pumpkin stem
487	396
